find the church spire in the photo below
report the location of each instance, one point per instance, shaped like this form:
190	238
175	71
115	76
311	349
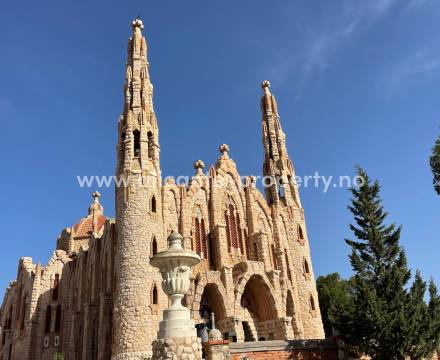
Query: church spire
138	192
277	164
138	144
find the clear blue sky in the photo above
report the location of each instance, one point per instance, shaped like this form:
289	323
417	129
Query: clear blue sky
357	82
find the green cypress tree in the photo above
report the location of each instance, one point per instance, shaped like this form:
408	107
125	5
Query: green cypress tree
378	324
434	161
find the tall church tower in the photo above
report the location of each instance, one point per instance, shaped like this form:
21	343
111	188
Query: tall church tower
292	246
138	207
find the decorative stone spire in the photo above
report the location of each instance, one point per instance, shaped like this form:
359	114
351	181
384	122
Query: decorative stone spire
277	163
138	131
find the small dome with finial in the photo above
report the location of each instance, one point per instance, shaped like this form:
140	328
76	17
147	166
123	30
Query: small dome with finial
93	223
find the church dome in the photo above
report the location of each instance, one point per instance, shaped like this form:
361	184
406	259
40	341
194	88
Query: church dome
94	222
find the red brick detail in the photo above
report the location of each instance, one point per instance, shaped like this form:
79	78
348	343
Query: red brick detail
330	354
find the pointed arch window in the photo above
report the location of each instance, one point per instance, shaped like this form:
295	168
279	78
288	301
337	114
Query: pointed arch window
248	245
233	230
211	253
48	319
289	274
233	226
153	205
240	237
136	143
255	251
150	145
58	319
197	236
153	246
274	257
228	237
200	238
23	312
312	303
203	238
56	286
300	234
9	319
154	295
306	267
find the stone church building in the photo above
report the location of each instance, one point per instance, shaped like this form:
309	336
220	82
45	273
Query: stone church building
99	299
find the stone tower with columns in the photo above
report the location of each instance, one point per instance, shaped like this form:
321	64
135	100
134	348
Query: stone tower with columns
138	205
98	298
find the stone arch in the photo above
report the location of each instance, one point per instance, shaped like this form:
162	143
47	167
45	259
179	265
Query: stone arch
256	307
209	292
260	284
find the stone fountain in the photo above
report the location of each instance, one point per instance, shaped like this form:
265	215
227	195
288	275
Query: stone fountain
177	338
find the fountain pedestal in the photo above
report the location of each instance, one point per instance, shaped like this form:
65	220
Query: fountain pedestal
177	337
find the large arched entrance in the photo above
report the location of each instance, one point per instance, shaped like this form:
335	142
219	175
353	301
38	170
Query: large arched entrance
258	310
211	306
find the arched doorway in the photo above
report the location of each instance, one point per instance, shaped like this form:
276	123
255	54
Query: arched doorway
258	310
211	305
209	308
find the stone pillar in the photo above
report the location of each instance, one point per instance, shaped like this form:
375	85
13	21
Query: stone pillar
284	329
105	332
216	348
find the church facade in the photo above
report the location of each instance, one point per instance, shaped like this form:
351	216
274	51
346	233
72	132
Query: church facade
99	299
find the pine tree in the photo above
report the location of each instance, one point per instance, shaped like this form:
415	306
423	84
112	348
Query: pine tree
434	161
418	320
378	324
335	301
433	338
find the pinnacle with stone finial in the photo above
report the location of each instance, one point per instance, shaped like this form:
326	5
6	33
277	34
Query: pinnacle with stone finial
199	166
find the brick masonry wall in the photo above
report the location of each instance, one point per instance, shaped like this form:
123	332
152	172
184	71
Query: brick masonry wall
279	350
